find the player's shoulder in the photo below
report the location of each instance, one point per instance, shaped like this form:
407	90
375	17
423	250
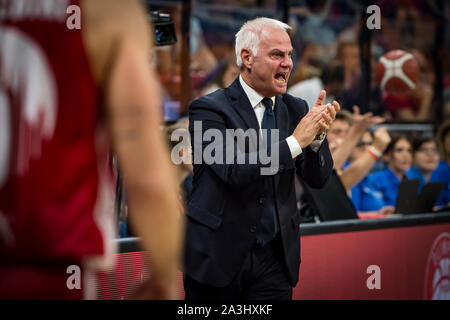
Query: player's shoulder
115	15
106	25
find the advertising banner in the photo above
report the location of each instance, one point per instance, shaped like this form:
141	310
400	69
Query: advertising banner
390	263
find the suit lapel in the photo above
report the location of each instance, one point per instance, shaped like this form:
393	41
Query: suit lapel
242	105
281	117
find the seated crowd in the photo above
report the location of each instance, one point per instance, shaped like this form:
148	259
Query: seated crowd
371	162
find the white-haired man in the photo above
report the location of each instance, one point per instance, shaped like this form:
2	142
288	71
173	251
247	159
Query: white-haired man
243	239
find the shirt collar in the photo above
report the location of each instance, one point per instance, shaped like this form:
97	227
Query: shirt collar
254	97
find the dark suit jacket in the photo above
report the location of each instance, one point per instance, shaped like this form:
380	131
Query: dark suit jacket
226	204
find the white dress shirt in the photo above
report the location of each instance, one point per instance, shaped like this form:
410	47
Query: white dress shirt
256	102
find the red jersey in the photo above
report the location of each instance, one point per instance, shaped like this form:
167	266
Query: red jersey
55	186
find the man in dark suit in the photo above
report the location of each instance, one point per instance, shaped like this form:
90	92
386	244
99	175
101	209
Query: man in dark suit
243	237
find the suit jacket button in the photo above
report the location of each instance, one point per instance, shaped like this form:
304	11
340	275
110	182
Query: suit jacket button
261	201
322	161
253	229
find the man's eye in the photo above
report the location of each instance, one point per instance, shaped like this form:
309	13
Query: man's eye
277	55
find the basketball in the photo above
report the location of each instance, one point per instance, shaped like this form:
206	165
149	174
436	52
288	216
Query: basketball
397	72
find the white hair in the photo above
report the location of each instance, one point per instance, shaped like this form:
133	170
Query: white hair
248	37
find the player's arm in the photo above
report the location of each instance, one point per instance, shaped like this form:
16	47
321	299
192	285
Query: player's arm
134	105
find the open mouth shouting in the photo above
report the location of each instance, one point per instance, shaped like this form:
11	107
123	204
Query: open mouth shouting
281	77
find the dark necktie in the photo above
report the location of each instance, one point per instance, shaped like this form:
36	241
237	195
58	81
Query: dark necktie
268	121
267	229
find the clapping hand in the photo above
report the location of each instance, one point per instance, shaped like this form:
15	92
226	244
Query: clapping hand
318	120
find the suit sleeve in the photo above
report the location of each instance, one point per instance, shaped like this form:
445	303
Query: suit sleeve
213	146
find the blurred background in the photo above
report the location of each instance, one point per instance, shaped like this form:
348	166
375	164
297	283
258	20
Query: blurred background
337	45
323	32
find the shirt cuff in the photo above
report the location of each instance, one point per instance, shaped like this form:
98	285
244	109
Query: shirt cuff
294	147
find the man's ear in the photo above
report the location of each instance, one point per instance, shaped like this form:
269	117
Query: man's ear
247	58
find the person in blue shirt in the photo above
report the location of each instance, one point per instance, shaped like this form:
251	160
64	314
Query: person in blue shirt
398	157
366	198
443	140
364	195
426	168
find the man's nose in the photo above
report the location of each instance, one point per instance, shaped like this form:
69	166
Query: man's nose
287	62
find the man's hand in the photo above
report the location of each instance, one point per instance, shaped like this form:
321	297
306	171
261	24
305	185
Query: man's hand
318	120
329	113
381	139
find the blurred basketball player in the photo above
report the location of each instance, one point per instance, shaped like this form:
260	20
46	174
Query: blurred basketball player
66	96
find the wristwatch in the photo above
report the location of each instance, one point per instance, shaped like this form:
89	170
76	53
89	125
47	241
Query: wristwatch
321	136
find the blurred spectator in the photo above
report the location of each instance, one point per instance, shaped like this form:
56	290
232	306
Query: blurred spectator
446	108
348	53
398	157
426	161
353	96
311	26
225	73
182	148
309	64
415	106
443	140
361	163
339	129
345	133
314	27
331	80
365	198
202	60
